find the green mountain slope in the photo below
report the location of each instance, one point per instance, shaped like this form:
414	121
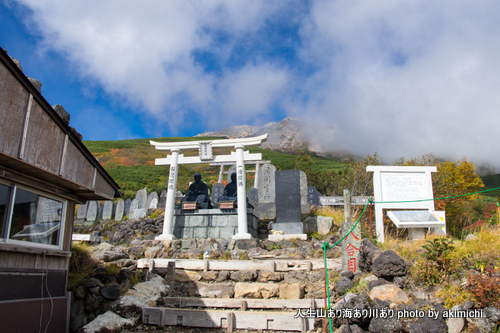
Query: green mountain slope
131	163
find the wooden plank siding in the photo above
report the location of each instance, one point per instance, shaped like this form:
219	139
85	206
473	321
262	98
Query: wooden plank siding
20	260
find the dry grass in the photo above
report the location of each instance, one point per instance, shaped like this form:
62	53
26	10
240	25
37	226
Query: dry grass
336	212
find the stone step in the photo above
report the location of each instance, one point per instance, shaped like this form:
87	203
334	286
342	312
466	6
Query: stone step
231	320
243	304
278	265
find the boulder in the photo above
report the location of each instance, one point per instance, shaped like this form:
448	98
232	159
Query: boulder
389	264
367	252
343	284
360	302
426	325
108	322
111	292
390	293
291	291
385	325
186	276
349	329
220	290
243	276
256	290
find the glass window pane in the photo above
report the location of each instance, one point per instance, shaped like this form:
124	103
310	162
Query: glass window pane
4	203
36	218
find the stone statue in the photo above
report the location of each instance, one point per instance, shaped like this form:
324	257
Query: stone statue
198	191
230	191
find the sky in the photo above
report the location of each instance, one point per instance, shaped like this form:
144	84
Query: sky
400	78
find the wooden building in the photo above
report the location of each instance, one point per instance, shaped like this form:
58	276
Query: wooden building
44	171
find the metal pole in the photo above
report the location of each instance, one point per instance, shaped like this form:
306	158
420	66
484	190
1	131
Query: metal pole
347	205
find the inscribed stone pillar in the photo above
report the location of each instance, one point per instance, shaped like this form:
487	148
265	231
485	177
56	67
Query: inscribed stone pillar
120	208
91	211
81	212
153	204
231	170
128	202
304	205
107	210
217	191
313	196
151	196
350	247
288	202
253	196
142	197
266	184
133	207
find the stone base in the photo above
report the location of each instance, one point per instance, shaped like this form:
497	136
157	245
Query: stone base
289	227
265	210
212	223
165	237
277	238
242	236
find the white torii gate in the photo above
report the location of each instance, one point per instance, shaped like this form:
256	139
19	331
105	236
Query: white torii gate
206	156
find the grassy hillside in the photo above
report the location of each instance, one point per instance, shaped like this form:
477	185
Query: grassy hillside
131	163
492	181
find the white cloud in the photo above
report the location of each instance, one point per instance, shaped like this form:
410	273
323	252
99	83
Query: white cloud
398	77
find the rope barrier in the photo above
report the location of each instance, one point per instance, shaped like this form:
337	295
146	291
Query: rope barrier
370	201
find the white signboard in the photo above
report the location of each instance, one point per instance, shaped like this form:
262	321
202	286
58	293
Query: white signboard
400	187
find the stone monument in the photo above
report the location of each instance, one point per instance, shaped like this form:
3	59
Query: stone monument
120	209
92	211
266	206
288	202
152	196
217	191
107	210
142	197
126	210
313	196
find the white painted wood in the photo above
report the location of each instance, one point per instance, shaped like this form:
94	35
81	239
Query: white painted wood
216	159
379	190
168	223
241	185
81	238
215	143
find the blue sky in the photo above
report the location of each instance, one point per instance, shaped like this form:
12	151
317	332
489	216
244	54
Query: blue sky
401	78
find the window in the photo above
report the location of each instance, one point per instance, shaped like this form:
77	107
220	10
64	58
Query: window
4	200
30	217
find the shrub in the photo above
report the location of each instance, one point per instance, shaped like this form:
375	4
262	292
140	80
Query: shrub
485	288
81	265
453	294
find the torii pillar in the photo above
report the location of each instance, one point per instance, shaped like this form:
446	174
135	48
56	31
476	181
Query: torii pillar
206	156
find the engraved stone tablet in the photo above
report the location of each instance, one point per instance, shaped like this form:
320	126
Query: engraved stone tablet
266	183
91	211
288	196
217	191
128	202
153	204
120	209
107	210
313	196
133	206
152	195
81	212
231	170
253	196
142	197
304	205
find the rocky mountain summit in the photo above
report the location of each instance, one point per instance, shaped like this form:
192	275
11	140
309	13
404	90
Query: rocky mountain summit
288	136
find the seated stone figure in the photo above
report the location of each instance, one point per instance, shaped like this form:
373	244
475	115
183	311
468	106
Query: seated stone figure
230	191
198	192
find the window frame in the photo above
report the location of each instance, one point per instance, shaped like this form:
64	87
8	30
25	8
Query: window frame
7	223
